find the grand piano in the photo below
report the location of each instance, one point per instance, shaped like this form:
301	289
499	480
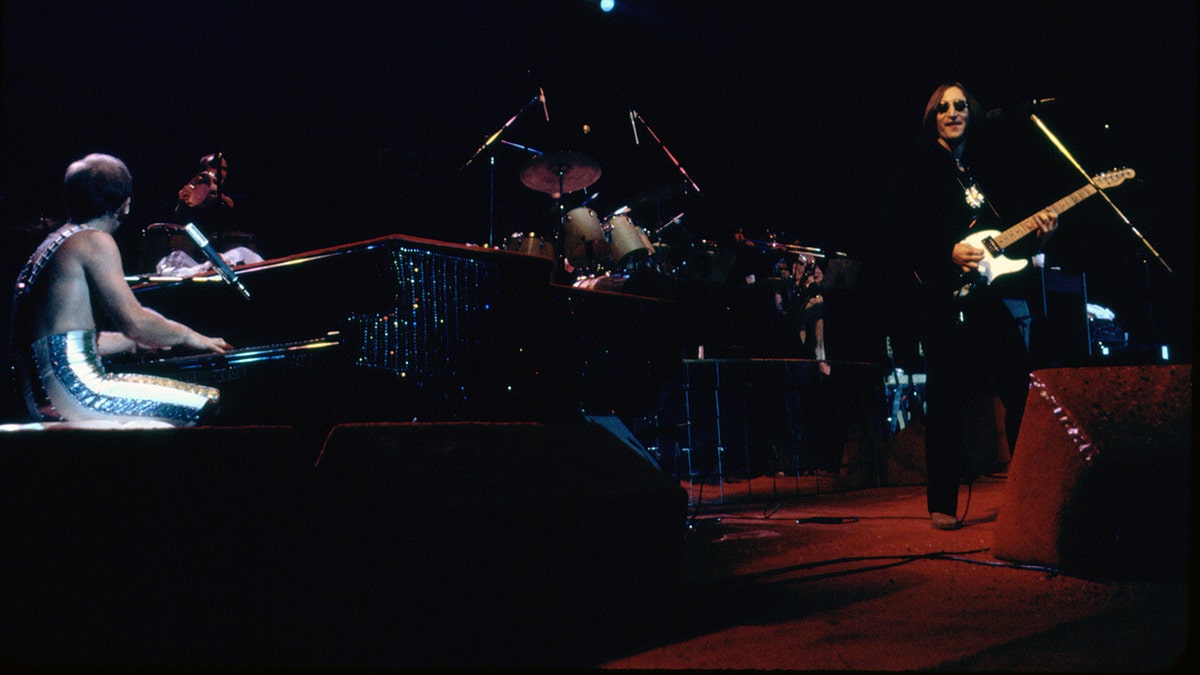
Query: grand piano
400	328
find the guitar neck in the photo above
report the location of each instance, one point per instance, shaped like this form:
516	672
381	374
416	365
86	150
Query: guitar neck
1016	232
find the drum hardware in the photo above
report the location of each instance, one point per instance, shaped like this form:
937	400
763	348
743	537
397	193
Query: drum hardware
160	239
670	223
601	282
794	248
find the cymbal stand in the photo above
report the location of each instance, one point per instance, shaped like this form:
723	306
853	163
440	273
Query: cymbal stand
492	177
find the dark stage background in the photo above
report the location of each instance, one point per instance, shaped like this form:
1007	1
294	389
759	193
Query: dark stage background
347	120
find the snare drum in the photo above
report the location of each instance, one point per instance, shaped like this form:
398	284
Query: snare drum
529	244
628	242
584	242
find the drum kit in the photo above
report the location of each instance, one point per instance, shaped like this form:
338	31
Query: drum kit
588	244
584	244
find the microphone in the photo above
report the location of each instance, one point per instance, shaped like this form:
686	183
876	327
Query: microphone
215	258
633	124
542	98
1018	109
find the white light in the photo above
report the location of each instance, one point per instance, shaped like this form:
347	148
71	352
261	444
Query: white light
607	5
1166	354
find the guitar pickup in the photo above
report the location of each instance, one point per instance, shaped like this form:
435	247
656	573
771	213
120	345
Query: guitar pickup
992	247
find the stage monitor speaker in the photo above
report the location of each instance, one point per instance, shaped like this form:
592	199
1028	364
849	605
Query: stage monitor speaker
1100	478
619	431
436	533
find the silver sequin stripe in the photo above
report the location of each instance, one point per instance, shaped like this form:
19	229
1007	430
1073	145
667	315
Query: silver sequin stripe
67	360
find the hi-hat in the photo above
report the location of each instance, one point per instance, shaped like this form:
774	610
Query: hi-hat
557	173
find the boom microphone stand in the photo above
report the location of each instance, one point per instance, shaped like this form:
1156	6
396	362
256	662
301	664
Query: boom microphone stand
1066	153
665	150
492	175
1099	190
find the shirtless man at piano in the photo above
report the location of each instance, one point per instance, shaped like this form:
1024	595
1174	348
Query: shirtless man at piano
57	348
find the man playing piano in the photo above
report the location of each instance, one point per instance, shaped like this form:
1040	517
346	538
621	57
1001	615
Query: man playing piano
55	342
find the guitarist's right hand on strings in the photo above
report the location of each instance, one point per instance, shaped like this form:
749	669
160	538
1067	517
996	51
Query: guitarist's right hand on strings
966	256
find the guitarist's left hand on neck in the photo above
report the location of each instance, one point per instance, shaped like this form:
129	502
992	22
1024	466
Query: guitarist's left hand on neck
1046	221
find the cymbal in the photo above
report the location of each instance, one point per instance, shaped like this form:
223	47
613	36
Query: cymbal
557	173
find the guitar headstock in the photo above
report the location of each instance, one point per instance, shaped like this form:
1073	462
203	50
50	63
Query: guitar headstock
1112	178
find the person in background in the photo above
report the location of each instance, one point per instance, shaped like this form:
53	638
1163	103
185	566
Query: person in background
800	312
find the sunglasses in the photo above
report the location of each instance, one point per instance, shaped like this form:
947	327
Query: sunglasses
959	105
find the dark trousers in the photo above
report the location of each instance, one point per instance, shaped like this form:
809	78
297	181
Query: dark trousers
980	356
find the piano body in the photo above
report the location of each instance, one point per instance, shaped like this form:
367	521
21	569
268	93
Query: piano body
400	328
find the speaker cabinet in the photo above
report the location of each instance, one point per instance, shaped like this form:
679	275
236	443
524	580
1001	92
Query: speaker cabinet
459	543
1061	338
1100	477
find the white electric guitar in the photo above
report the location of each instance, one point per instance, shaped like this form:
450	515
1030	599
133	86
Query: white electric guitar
994	242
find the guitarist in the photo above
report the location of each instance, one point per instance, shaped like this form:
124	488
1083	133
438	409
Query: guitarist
973	346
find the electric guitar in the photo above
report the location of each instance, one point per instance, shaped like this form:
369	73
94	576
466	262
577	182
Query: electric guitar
994	242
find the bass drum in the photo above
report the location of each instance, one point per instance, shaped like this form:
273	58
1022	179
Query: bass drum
529	244
583	241
629	243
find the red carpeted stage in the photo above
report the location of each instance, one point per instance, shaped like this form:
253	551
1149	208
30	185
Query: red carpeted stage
526	544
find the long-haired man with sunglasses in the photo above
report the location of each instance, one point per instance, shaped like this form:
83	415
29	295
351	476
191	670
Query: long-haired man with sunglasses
973	347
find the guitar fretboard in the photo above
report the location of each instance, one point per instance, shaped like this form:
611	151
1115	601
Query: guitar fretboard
1016	232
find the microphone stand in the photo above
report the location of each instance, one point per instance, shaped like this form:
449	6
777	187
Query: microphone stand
219	178
665	150
1061	148
1100	191
492	184
492	177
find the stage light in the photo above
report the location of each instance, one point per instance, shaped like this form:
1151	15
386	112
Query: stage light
607	5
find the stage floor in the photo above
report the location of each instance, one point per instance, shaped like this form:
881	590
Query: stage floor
788	573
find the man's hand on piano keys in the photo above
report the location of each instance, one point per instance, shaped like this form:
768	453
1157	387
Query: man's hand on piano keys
206	344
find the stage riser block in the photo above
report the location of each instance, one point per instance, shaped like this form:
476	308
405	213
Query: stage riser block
1099	485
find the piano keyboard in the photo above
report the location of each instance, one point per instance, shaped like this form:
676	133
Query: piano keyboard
211	368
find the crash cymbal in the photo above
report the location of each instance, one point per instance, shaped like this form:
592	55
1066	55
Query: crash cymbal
557	173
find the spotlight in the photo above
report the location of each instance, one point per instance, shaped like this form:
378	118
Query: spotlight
607	5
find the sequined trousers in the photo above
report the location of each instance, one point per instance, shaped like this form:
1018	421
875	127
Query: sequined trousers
66	381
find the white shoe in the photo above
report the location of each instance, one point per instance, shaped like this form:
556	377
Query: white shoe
942	521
